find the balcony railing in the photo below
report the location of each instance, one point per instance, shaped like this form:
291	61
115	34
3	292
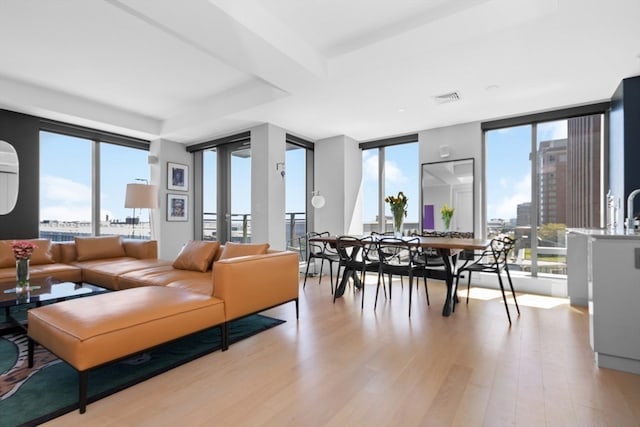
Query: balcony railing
296	226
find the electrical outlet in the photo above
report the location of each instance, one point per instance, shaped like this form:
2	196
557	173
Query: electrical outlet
637	257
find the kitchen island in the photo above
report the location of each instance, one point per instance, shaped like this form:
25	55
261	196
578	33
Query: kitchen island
604	273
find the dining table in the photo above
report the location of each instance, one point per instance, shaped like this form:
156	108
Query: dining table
447	247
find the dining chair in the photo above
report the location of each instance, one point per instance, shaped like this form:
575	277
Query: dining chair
322	251
388	234
398	257
494	259
357	256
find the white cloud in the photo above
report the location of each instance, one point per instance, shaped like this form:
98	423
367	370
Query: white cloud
369	166
64	199
393	174
65	190
519	192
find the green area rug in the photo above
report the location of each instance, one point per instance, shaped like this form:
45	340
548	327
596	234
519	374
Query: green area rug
31	396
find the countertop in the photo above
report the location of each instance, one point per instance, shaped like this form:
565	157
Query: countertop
604	233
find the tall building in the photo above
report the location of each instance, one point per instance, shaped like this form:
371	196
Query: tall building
569	188
584	189
552	178
523	214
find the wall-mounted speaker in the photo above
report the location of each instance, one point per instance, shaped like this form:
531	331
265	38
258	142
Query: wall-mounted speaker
444	151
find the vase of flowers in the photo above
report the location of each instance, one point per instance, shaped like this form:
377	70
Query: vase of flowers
22	251
398	205
447	213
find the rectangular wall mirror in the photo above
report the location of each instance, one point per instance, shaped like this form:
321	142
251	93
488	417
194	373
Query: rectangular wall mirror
451	183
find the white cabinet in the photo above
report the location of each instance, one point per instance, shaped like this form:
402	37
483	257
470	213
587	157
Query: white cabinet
577	269
615	302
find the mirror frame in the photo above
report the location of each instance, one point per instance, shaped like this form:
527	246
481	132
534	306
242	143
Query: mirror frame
435	214
9	177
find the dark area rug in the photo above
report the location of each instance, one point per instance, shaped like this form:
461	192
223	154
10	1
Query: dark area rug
29	397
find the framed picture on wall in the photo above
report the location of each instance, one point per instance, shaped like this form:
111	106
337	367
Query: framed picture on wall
177	205
177	177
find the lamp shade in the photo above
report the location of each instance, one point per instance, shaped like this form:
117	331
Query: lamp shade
141	196
317	200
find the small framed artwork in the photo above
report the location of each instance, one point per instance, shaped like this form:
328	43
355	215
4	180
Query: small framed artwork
177	207
177	177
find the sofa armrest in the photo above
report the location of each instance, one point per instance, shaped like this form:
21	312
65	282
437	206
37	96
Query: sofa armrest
141	249
254	283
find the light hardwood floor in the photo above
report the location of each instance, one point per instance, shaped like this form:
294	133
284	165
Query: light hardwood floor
340	366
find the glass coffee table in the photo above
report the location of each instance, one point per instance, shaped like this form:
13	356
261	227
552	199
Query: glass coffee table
17	300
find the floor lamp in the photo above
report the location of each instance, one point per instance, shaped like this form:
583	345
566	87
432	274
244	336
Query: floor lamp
141	196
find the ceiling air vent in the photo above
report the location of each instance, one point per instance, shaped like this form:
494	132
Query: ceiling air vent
447	97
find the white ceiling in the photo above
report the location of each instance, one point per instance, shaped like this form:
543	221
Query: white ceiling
191	70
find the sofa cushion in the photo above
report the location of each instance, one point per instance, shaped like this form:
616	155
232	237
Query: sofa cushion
196	255
160	275
41	254
233	250
105	272
7	259
99	247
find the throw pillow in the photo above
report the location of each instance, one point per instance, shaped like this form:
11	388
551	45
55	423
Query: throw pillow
89	248
6	254
41	254
233	250
196	255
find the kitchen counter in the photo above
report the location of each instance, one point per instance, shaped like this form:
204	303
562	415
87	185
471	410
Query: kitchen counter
604	233
602	274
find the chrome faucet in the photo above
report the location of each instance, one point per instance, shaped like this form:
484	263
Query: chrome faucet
631	221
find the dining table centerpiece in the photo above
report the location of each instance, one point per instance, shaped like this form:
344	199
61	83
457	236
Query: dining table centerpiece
447	212
22	251
398	205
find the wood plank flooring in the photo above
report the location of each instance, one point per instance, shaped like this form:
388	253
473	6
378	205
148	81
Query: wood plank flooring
342	366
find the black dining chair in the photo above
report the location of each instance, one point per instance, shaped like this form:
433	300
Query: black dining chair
398	257
322	251
357	257
382	235
494	259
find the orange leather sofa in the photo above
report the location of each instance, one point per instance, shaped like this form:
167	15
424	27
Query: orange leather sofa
157	300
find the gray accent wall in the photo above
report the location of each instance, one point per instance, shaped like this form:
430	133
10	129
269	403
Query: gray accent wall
624	143
22	131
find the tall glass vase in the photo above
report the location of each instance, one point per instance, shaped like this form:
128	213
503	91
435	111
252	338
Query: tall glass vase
398	219
22	273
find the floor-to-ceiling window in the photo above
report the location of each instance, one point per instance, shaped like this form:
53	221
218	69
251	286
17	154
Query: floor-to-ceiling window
541	178
210	195
388	167
83	180
239	212
223	188
295	194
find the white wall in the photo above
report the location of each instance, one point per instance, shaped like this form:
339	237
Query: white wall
337	175
268	147
171	235
463	142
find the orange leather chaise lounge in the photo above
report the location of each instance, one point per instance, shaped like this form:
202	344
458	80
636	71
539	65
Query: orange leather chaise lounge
93	331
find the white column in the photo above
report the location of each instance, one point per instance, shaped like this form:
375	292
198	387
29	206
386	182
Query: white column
268	146
338	177
171	235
